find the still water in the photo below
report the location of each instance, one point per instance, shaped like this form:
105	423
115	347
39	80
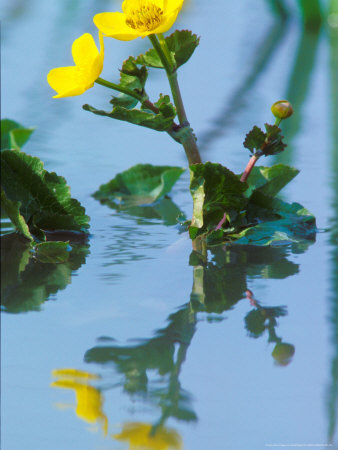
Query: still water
135	341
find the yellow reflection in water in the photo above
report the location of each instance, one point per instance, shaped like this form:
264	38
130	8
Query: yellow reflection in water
89	399
139	436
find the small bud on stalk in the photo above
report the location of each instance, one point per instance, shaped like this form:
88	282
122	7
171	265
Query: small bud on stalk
282	109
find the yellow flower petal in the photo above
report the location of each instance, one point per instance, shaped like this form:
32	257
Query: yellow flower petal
140	18
173	5
114	25
64	80
75	80
84	50
167	23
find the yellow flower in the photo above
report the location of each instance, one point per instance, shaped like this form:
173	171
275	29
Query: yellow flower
75	80
88	399
139	18
139	437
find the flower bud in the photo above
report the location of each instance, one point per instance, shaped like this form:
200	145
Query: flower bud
282	109
283	353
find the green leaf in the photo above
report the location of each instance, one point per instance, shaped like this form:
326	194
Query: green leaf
12	209
52	252
13	135
254	139
156	122
292	222
150	59
141	184
45	201
270	180
181	44
274	143
269	143
216	191
132	78
167	109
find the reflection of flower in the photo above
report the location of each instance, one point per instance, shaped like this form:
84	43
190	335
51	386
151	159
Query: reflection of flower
75	80
88	399
139	437
139	18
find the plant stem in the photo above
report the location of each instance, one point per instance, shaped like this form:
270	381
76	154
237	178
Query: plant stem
145	102
189	143
254	158
119	88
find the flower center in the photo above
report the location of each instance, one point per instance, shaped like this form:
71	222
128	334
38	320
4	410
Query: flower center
146	18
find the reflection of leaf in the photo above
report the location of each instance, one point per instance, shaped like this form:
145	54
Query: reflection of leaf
141	184
223	280
158	356
13	135
164	209
44	196
52	252
27	283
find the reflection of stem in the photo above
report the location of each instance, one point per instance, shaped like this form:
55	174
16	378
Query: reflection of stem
189	143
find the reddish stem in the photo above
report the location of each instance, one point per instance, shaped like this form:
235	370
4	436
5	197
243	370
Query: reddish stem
249	167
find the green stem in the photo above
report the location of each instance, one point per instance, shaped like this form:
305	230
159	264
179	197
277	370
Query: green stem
143	99
189	143
277	121
119	88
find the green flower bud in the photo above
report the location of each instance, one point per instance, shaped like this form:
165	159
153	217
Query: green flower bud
282	109
283	353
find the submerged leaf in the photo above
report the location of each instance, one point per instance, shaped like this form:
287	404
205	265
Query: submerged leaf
13	135
45	201
141	184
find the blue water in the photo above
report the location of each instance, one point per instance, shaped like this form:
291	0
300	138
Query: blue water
136	274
